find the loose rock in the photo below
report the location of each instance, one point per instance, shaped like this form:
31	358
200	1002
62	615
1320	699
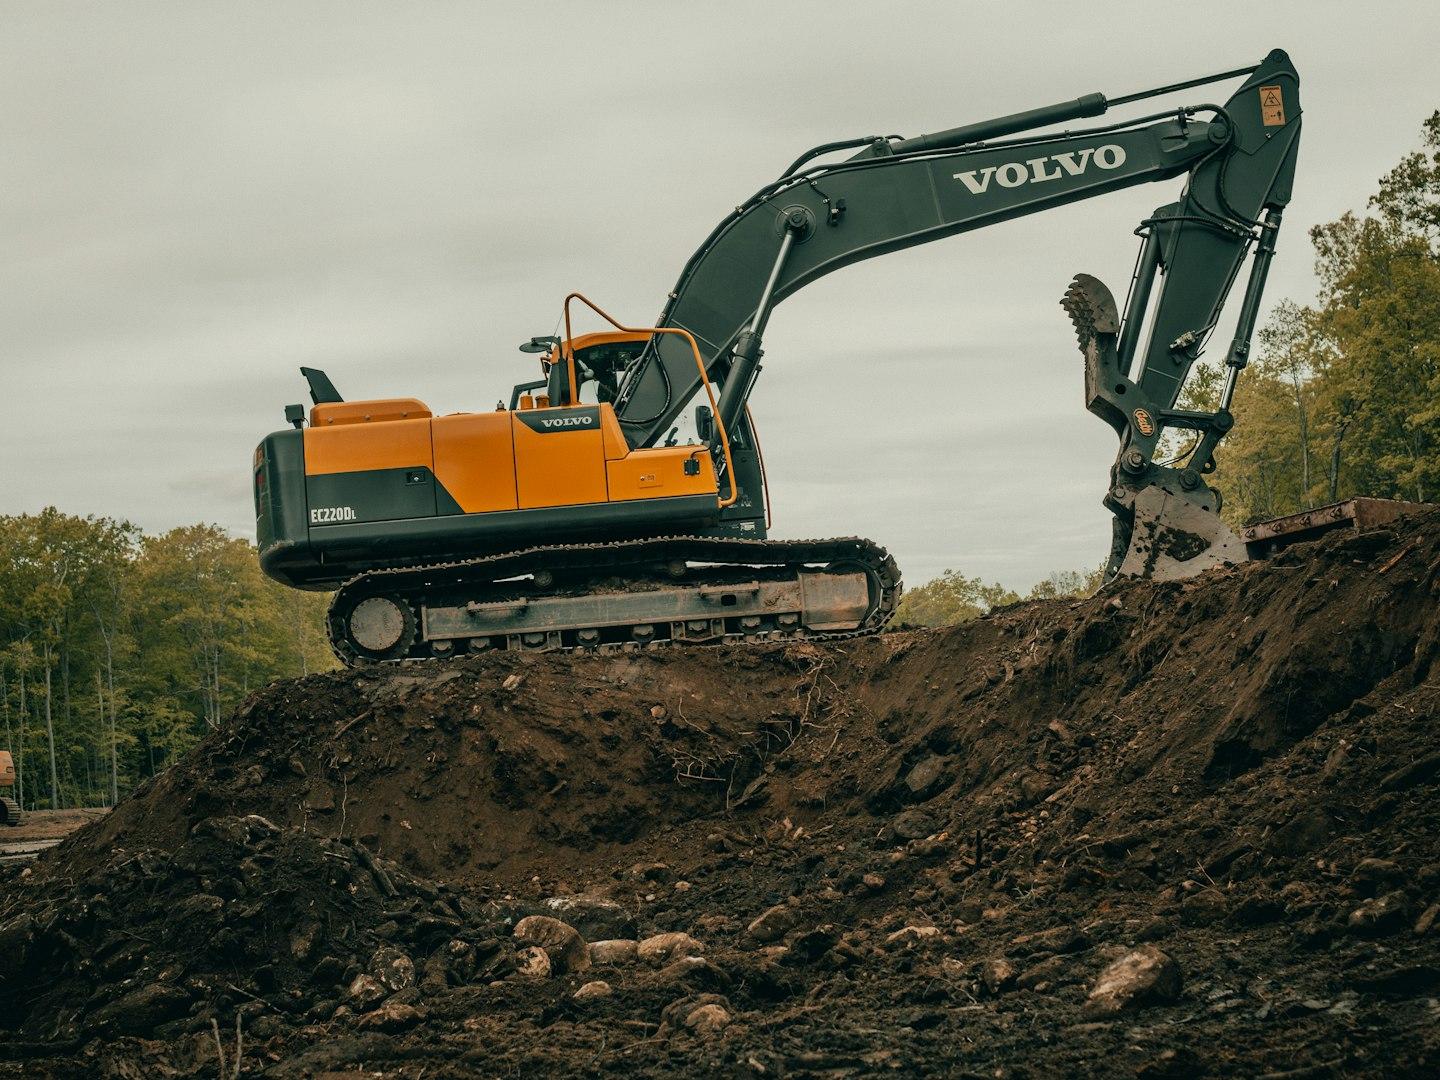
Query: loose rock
532	962
616	952
320	799
1416	772
1145	975
1374	875
997	974
925	777
909	937
692	971
662	947
592	990
561	942
1427	919
1380	916
1058	939
708	1020
674	1017
138	1012
914	825
1204	907
392	968
1044	975
594	918
365	992
392	1016
773	924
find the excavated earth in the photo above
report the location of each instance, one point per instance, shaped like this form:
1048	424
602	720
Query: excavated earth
1172	830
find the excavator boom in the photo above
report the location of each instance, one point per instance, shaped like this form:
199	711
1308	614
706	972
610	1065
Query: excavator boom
1239	164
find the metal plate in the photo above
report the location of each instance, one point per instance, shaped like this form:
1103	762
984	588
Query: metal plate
822	601
1265	538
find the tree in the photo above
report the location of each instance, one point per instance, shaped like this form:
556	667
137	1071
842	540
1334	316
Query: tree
1068	584
109	604
951	598
170	631
954	598
213	625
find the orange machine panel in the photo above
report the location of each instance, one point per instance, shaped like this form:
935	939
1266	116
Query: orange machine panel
615	445
475	460
559	456
392	444
366	412
660	473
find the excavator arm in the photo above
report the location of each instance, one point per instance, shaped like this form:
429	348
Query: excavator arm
1239	162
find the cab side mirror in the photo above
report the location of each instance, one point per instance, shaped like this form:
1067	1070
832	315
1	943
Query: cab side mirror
539	345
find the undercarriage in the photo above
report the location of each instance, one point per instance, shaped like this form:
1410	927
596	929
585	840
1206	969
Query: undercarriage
623	595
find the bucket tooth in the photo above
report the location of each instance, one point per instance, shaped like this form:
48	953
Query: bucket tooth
1091	307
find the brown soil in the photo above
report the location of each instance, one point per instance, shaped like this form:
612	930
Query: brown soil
1240	771
47	825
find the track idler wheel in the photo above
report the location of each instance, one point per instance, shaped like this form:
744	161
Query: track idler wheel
380	628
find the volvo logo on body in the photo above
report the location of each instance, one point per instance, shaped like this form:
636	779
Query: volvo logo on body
560	421
1013	174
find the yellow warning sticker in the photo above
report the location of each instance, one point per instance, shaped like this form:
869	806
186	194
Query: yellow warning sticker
1272	106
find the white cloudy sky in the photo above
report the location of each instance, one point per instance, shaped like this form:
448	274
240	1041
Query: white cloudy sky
197	198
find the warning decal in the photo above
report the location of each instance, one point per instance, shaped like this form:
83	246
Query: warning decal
1272	106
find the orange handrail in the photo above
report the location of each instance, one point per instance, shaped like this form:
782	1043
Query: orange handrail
699	364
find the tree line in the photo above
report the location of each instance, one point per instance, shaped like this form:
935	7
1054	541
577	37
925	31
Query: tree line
120	650
954	598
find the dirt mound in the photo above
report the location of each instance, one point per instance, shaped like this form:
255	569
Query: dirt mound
1173	829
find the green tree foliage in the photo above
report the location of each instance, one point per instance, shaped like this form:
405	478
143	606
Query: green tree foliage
1344	398
953	598
119	650
1068	584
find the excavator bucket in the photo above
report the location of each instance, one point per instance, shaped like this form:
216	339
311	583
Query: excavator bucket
1174	535
1167	521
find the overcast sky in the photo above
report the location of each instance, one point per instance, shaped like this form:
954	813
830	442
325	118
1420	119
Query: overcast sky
196	198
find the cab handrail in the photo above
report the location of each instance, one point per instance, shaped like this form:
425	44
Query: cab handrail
569	357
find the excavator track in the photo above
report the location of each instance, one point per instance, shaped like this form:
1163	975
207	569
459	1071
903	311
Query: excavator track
624	595
13	815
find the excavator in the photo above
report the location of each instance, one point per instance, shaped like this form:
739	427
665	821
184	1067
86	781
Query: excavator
621	501
10	812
